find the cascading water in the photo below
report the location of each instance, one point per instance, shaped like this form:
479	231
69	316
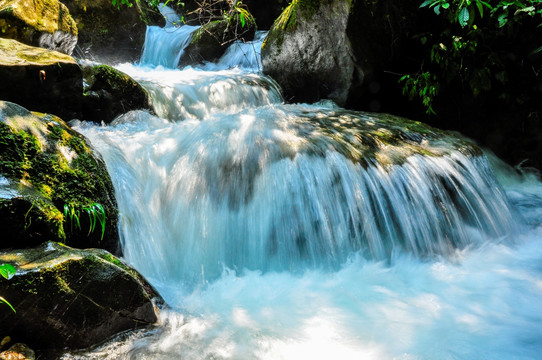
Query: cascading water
306	231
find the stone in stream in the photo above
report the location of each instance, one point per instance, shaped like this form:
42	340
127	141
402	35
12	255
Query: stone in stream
71	299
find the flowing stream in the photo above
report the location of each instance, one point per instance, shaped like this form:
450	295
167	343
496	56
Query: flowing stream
269	241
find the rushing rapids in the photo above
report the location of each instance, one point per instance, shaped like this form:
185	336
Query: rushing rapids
307	231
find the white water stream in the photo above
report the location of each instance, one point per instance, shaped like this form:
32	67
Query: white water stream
267	246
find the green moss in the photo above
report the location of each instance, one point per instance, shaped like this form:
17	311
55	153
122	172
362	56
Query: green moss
53	165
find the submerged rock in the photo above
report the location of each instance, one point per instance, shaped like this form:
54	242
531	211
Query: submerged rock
45	23
68	298
51	182
110	93
40	79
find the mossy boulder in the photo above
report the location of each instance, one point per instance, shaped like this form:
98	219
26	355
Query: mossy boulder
211	40
39	79
51	181
110	93
45	23
71	299
107	34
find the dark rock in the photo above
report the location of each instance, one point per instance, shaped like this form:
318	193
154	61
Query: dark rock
71	299
107	34
40	79
45	169
265	12
111	93
212	39
45	23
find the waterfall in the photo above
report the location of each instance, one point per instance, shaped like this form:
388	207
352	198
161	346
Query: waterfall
293	231
164	46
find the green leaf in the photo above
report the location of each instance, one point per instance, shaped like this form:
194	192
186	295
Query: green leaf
426	3
480	9
7	271
463	17
242	18
2	300
445	6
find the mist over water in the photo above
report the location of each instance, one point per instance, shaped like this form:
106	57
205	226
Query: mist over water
268	243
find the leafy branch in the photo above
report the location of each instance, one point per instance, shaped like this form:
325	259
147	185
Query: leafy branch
470	50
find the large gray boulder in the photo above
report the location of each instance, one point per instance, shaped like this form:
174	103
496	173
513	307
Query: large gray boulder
308	53
338	49
71	299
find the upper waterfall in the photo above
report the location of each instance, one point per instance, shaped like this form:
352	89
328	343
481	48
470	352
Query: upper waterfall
164	46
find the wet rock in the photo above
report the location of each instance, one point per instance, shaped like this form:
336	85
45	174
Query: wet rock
44	23
110	93
40	79
107	34
72	299
51	182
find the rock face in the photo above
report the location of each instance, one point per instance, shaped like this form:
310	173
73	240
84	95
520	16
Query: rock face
308	52
44	23
67	298
40	79
107	34
111	93
50	184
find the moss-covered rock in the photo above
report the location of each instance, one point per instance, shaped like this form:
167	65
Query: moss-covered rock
45	23
211	40
50	183
110	93
107	34
68	298
40	80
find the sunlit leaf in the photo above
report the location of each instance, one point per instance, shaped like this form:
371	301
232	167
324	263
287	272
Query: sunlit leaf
7	271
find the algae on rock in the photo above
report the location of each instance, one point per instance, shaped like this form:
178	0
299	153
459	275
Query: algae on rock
44	166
